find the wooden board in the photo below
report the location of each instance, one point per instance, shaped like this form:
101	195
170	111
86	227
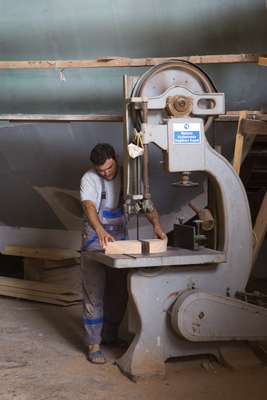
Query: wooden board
40	298
45	253
263	61
35	286
41	292
136	246
260	227
230	116
62	117
155	245
111	62
36	291
124	247
253	127
239	143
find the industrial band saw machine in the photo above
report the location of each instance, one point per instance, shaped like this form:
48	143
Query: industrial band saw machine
184	301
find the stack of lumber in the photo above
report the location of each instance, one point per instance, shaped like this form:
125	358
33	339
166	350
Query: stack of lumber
38	291
65	273
51	275
45	253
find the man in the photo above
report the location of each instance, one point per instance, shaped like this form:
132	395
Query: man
105	293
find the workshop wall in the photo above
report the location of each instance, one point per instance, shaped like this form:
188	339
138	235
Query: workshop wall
36	156
86	29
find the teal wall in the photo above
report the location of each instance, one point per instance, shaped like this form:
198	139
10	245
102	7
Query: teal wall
57	154
86	29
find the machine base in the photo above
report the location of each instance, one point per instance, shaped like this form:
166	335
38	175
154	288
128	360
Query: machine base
152	296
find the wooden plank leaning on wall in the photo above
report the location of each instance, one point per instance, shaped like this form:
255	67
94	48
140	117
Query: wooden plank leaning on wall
247	130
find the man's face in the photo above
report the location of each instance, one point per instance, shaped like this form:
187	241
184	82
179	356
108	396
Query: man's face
107	170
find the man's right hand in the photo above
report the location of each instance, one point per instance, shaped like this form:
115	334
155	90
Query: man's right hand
104	237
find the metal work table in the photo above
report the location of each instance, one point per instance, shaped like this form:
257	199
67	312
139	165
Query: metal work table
172	257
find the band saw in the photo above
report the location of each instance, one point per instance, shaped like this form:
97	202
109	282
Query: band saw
187	300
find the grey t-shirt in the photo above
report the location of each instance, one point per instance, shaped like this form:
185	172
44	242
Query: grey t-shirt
91	189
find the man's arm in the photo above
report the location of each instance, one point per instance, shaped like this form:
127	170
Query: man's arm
91	213
153	218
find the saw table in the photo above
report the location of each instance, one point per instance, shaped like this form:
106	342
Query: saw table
172	257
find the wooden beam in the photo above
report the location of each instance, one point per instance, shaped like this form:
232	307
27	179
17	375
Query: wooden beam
61	117
230	116
239	143
253	127
121	62
260	228
263	61
44	253
38	291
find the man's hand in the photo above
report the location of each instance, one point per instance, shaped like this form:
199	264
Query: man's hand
104	237
159	232
153	218
91	213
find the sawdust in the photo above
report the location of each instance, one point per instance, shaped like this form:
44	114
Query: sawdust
45	360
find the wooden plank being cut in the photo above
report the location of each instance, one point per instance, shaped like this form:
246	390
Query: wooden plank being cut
136	246
155	245
124	247
46	253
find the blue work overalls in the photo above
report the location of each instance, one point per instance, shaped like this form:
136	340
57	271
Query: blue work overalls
104	289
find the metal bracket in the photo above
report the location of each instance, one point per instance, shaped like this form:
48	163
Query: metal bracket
203	104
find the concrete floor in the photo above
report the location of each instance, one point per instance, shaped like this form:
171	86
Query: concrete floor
42	358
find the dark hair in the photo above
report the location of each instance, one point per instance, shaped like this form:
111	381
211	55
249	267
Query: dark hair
102	152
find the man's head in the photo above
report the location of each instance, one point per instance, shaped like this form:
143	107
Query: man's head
104	159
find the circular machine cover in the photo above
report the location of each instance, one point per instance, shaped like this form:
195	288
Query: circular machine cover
157	80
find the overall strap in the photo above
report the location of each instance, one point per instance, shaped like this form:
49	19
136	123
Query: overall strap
121	192
103	194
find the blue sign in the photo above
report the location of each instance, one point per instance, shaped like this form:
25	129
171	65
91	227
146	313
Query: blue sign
186	133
